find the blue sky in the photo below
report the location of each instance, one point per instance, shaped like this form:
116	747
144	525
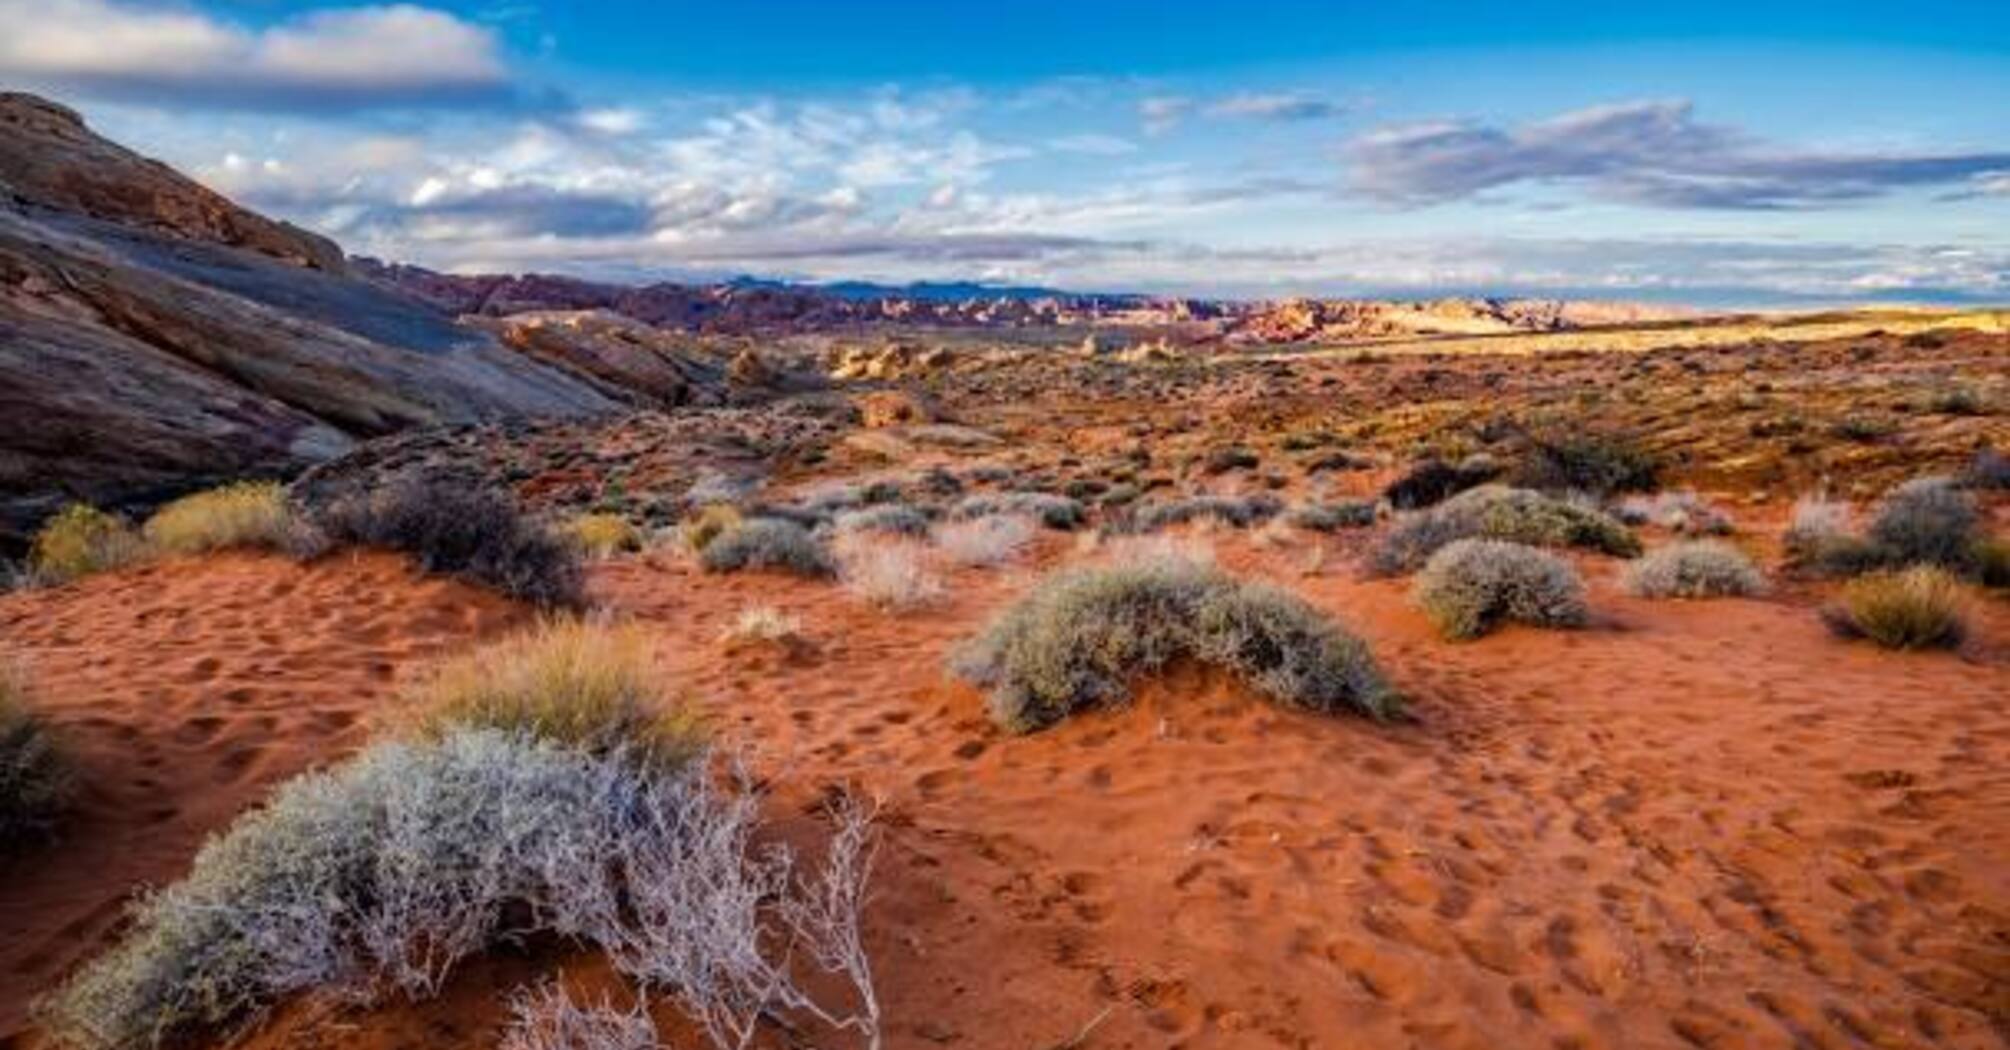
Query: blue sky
1747	153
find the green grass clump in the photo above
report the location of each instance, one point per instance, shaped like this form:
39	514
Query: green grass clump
80	540
1501	513
1917	608
767	543
1695	569
1077	640
35	781
583	684
1472	586
245	514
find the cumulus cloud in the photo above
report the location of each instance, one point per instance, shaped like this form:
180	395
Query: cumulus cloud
1653	153
326	59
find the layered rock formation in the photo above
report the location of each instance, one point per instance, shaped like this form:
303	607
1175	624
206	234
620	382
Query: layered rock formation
154	336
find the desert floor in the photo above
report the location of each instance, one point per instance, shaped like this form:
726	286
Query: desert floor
1694	824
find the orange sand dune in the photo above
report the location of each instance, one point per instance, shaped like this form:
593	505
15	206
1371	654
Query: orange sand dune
1700	824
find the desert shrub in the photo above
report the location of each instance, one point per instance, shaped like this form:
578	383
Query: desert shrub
1696	569
1473	585
1861	427
35	780
1989	469
1816	527
990	540
1926	521
1681	512
382	874
887	572
704	526
1223	460
763	623
1990	559
766	543
587	685
1916	608
602	535
546	1018
1327	517
1586	461
1432	481
1055	512
893	518
462	531
1501	513
1959	401
1234	511
245	514
1078	638
79	540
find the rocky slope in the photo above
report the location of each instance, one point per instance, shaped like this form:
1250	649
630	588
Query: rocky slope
155	337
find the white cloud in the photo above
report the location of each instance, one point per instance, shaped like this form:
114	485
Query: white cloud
335	58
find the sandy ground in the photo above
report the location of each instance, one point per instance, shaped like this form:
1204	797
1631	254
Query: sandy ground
1696	824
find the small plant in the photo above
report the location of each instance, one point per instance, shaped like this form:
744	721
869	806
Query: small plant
35	780
1055	512
1989	470
463	531
80	540
1432	481
1861	427
1223	460
245	514
766	543
701	528
1684	512
1959	401
897	519
586	685
1328	517
1927	521
1501	513
1587	461
1076	641
763	623
1235	512
1472	586
1917	608
886	572
603	535
1696	569
981	542
546	1018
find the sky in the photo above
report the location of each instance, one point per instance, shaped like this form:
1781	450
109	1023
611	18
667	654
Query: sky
1745	153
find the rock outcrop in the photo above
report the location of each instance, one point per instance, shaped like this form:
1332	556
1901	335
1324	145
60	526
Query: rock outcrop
155	336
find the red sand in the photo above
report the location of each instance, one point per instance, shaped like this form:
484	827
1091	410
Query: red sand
1697	824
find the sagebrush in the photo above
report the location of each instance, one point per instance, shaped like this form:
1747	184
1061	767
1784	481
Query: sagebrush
1472	586
1501	513
465	531
767	543
1695	569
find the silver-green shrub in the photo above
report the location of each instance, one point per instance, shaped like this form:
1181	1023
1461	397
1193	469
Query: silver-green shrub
1694	569
1472	586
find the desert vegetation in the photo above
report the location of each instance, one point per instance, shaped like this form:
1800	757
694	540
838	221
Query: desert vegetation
80	540
767	543
603	535
1076	641
1471	586
461	530
1694	569
35	779
1921	607
1501	513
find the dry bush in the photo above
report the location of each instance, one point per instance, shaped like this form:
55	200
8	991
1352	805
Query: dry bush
1579	460
1696	569
1055	512
1474	585
587	685
1234	511
993	539
546	1018
80	540
1078	638
1500	513
35	781
1684	513
763	623
1989	470
602	535
706	525
245	514
1927	521
887	572
766	543
462	531
1917	608
1432	481
1329	517
896	519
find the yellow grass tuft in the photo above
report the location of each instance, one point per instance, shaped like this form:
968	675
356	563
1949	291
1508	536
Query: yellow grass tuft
586	684
712	519
79	540
245	514
1918	608
603	535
